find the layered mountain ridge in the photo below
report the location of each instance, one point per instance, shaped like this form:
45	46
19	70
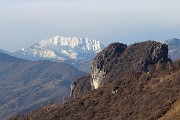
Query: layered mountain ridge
61	48
75	51
78	52
26	85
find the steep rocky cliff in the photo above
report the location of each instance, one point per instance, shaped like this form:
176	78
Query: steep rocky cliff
102	63
136	57
121	60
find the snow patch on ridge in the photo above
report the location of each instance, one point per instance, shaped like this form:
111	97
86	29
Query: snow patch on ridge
62	48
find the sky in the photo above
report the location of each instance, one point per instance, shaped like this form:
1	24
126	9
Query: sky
24	22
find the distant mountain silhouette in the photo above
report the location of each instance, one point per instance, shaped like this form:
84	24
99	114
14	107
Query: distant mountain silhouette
8	58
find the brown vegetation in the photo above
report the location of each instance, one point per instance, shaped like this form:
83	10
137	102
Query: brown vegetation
27	85
129	92
137	98
173	113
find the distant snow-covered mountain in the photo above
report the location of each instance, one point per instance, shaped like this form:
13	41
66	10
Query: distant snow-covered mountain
61	48
174	48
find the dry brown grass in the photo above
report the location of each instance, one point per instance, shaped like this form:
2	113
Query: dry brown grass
134	101
142	95
173	113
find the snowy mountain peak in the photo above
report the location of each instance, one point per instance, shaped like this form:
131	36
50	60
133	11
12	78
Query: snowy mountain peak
62	48
172	41
84	44
174	48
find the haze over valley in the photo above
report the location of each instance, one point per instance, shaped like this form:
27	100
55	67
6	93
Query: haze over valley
89	60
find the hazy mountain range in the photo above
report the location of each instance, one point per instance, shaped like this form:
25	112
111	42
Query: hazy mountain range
62	48
174	48
26	85
78	52
72	50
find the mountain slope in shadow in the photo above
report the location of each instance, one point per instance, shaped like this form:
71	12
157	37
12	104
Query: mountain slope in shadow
26	85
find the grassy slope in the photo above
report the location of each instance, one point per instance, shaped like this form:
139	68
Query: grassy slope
141	99
173	113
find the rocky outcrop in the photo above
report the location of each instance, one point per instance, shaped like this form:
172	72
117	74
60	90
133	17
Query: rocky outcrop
99	68
121	60
127	59
80	86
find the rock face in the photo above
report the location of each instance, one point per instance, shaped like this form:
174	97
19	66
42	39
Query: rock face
98	69
80	86
121	60
139	55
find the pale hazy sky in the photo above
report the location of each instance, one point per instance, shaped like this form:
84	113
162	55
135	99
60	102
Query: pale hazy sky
24	22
